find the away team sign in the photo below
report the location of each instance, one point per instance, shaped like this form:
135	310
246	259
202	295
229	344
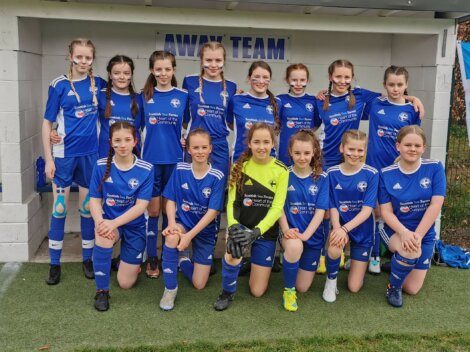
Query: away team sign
240	47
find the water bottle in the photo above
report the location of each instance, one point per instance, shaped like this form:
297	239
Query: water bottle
40	172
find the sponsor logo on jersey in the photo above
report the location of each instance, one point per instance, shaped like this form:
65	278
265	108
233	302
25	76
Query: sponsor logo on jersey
403	117
269	109
153	120
380	132
362	186
133	183
248	124
287	105
343	208
201	112
290	124
309	107
109	180
175	102
425	182
185	207
70	93
246	106
294	210
79	114
397	186
381	112
247	202
313	189
185	186
291	188
150	101
110	202
405	209
334	121
338	186
206	192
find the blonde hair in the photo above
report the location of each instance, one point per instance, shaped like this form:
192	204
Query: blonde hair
331	69
88	43
212	46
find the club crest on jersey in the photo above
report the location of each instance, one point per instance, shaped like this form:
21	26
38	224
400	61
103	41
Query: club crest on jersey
133	183
224	94
110	202
112	122
206	192
380	132
247	202
79	114
290	124
403	117
294	210
93	90
405	209
313	189
175	102
343	208
153	120
334	121
185	207
248	124
269	109
362	186
309	107
112	103
201	112
425	182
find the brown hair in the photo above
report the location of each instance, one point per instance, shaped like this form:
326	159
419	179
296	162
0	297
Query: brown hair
118	125
88	43
295	67
119	59
356	135
151	82
197	131
411	129
272	99
398	71
236	173
309	136
212	46
331	69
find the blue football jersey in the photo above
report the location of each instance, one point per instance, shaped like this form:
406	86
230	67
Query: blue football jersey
338	119
163	114
244	111
193	196
121	105
76	120
349	193
211	113
385	120
122	188
411	193
304	196
297	113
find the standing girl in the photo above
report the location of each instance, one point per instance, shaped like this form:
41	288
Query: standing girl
209	96
195	196
386	117
120	190
163	110
297	108
73	104
411	195
257	192
353	196
258	105
118	101
306	203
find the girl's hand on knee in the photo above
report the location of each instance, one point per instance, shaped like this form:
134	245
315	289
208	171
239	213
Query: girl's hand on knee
292	233
171	230
184	242
338	237
106	227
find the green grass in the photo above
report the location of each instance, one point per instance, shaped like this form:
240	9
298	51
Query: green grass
63	319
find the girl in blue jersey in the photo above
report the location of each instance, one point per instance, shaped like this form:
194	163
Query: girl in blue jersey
118	101
297	108
72	103
195	196
258	105
305	206
120	190
163	110
353	196
386	116
411	195
209	96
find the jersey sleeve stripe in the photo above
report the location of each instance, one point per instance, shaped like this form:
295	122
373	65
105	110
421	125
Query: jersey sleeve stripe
281	164
390	168
143	162
429	161
370	168
57	80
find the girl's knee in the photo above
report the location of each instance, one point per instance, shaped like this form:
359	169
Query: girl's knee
412	289
171	241
258	291
199	284
302	288
355	287
125	283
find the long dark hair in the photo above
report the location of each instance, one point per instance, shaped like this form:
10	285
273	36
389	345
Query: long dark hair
151	82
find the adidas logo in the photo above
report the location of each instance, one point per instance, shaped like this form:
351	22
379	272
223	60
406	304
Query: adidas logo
150	101
209	257
150	234
233	283
381	112
397	186
287	105
268	259
365	254
185	186
70	93
197	90
246	106
249	183
109	180
426	261
139	256
291	188
314	263
99	273
168	271
338	186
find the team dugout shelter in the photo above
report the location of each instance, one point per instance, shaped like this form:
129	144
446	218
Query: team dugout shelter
417	34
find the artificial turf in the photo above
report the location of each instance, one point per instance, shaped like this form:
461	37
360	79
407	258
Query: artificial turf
62	317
